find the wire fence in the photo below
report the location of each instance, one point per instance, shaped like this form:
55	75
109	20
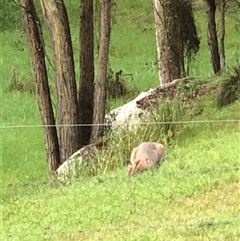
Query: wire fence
125	123
189	204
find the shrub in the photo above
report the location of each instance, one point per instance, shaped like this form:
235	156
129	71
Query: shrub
169	114
229	89
160	126
21	83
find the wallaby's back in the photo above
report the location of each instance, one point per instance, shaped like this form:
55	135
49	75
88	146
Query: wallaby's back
148	149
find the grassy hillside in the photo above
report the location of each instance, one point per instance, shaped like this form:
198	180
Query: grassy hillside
193	196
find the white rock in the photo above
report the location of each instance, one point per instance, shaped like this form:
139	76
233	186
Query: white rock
128	114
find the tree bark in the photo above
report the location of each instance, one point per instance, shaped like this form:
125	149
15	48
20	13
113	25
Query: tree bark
169	48
35	38
212	35
100	89
86	92
57	20
157	10
222	36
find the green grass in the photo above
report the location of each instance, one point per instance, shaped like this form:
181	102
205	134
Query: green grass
193	196
197	184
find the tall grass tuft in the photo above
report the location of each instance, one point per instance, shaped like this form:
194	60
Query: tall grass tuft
229	89
168	114
21	83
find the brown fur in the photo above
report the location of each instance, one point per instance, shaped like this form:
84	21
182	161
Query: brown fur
146	156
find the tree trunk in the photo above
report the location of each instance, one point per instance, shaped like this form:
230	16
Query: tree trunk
86	92
176	37
97	24
100	89
57	20
169	48
212	35
34	34
158	22
222	36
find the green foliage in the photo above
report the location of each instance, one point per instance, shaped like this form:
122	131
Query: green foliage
229	89
117	87
190	38
189	88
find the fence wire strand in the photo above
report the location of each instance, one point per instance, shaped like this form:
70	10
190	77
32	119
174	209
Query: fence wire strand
121	124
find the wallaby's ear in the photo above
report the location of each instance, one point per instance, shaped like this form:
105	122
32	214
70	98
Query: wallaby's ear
133	169
129	163
137	163
129	166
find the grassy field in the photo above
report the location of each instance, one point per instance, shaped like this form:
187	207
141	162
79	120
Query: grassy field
193	196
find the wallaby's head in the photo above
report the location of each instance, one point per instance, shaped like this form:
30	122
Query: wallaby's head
129	166
137	166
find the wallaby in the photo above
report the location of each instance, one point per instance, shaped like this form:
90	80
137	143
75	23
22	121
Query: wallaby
146	156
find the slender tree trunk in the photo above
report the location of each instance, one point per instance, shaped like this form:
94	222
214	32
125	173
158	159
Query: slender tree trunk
212	35
35	39
100	89
86	92
97	24
158	22
222	36
57	20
